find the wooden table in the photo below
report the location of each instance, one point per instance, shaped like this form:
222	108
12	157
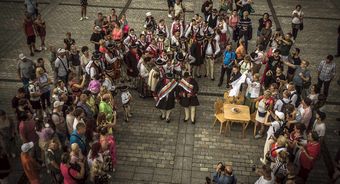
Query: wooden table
242	117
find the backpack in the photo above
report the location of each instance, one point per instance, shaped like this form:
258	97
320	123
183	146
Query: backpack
298	100
284	105
280	131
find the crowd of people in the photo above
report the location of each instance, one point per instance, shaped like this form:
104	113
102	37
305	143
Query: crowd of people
67	122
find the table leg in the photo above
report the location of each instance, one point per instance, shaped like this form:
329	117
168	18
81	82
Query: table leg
221	127
226	128
243	130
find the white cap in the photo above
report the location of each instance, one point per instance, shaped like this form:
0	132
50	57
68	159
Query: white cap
148	14
27	146
57	104
22	56
97	28
60	50
280	115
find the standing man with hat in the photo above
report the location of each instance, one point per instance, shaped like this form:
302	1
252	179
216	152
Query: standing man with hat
211	49
188	89
196	51
112	62
95	67
25	70
62	66
165	96
150	21
212	19
156	73
29	165
131	60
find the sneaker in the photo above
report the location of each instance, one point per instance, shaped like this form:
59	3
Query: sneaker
44	48
81	18
169	15
44	114
37	50
258	136
129	115
32	54
40	48
263	161
86	17
168	120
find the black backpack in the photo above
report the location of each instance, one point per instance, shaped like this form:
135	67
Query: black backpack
284	105
281	130
298	100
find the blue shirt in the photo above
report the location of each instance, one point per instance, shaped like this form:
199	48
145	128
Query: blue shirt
228	57
78	139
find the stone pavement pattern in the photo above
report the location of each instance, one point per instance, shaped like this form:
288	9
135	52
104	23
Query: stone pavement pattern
151	151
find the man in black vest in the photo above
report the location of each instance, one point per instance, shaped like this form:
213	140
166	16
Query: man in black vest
211	49
196	51
212	19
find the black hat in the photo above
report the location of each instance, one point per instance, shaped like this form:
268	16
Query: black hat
160	62
96	55
199	37
173	46
183	39
179	57
169	75
133	46
160	33
110	46
209	35
124	88
186	74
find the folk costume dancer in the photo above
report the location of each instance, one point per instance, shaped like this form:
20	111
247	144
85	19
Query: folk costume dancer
188	89
165	96
197	51
211	49
156	73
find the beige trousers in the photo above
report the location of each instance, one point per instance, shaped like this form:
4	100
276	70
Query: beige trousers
190	112
209	66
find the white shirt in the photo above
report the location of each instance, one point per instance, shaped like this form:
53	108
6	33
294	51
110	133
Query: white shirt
261	180
110	60
320	128
254	88
108	84
143	71
34	89
62	65
259	58
296	20
125	97
75	123
279	103
209	50
275	125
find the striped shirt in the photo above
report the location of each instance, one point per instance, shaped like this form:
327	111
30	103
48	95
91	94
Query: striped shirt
244	24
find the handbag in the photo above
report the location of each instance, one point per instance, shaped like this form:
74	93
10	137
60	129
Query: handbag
262	114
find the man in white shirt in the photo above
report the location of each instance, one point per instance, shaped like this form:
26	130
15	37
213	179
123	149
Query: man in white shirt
211	49
273	127
62	66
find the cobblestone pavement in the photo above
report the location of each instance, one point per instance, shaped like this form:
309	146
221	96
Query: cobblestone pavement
151	151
